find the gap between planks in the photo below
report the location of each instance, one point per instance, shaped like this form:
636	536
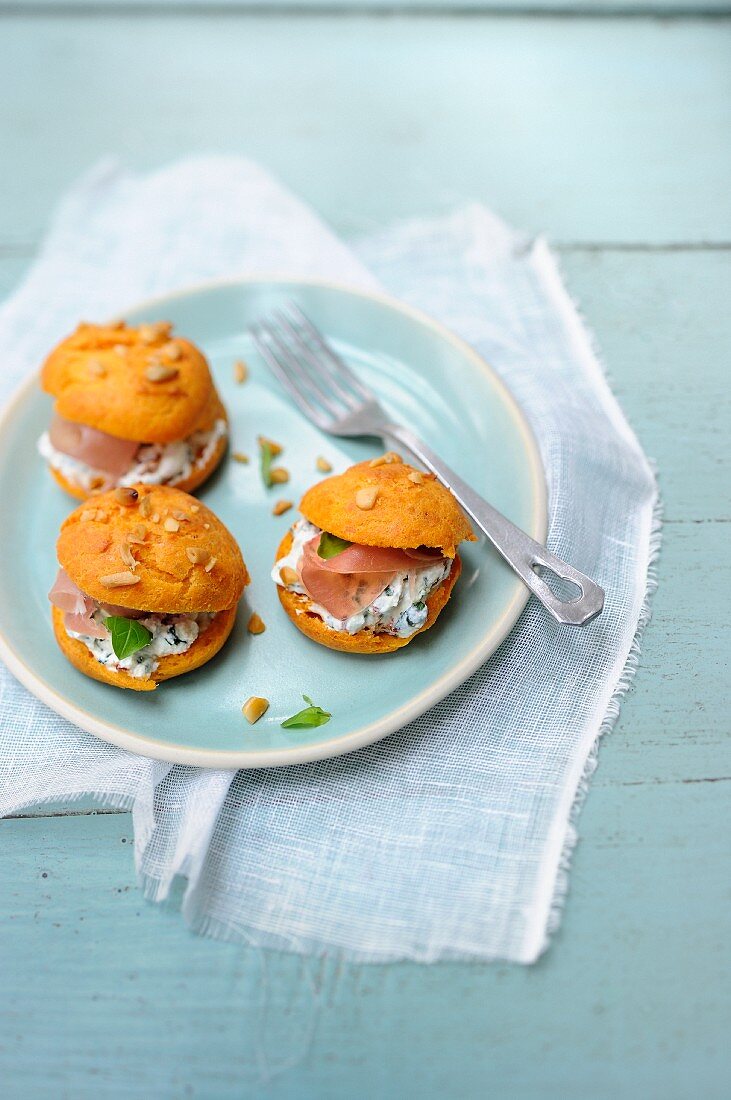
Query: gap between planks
40	813
92	811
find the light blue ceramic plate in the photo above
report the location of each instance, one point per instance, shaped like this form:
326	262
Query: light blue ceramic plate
432	381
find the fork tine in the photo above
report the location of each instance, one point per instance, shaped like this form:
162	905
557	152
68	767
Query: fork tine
338	368
315	365
309	382
292	389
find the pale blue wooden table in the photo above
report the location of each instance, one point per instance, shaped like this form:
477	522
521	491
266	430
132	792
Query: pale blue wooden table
612	133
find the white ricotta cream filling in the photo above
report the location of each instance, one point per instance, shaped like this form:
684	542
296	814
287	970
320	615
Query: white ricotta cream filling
400	609
155	463
170	634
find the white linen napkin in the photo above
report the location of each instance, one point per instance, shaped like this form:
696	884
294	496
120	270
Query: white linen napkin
450	839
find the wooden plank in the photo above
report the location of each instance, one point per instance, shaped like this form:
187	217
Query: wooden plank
347	7
610	130
107	995
664	332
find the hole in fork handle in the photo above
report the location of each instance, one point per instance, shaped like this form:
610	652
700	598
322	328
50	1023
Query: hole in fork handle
571	597
563	588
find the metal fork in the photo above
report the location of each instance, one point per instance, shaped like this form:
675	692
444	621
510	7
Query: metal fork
328	392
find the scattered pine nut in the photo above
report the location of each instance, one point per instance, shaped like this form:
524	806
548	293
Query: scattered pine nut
241	371
195	509
366	498
145	506
281	507
125	495
288	576
416	477
87	514
239	456
255	624
278	475
209	565
155	517
182	516
253	708
171	524
119	580
323	465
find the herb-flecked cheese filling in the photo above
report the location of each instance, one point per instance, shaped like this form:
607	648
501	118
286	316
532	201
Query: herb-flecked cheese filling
155	463
170	634
399	610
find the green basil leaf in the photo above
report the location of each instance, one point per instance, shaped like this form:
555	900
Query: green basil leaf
266	462
310	716
128	635
330	545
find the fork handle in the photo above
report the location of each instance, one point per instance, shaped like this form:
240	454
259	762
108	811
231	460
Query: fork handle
520	551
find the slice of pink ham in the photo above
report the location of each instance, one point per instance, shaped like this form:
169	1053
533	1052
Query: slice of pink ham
96	449
350	581
79	608
66	595
125	612
342	594
371	559
426	555
84	624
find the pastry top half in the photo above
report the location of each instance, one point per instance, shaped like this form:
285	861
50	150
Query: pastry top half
409	508
152	548
140	383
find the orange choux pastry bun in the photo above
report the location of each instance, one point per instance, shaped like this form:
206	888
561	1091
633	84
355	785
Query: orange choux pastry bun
147	588
374	559
133	404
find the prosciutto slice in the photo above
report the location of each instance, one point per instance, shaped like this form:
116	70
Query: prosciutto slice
125	612
371	559
426	555
79	608
84	624
96	449
343	594
66	595
349	582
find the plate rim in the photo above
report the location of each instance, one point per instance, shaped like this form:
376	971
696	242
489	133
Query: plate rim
374	731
